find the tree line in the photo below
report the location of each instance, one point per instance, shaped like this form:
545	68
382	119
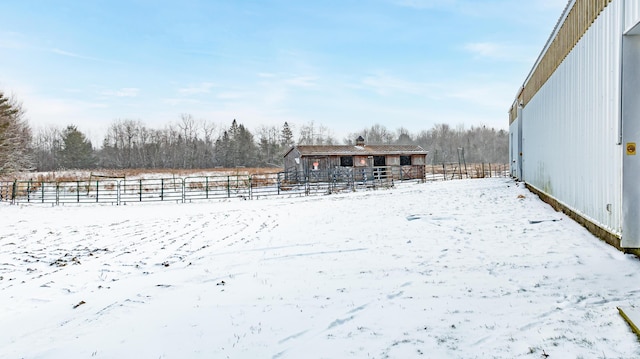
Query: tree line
192	144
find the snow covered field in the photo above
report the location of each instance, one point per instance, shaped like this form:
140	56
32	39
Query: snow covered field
436	270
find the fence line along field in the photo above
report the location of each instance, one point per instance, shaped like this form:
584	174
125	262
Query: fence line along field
129	186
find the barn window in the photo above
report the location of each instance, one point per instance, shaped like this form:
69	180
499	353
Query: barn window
346	161
379	161
405	160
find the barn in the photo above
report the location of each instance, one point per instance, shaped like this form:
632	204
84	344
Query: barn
575	121
392	161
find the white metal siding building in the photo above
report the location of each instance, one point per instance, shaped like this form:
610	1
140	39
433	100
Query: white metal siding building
575	121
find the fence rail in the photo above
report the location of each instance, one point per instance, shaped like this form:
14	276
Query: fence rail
257	186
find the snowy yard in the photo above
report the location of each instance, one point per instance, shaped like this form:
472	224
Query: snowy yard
436	270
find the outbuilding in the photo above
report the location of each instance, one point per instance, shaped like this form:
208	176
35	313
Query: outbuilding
575	122
393	161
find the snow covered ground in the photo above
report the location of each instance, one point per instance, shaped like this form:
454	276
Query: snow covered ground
436	270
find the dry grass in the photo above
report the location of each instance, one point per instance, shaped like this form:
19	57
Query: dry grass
86	175
260	175
472	170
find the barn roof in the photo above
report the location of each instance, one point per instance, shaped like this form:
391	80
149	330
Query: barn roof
351	150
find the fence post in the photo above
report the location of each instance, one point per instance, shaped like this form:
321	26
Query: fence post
374	173
42	190
330	182
57	193
97	190
140	193
228	187
118	193
353	180
14	190
183	186
250	189
162	189
206	187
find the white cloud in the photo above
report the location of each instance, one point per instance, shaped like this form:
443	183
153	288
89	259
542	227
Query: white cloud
231	95
301	81
180	101
384	84
65	53
488	95
487	49
75	55
128	92
43	112
123	92
500	51
201	88
12	40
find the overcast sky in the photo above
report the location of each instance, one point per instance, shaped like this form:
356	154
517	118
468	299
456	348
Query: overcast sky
344	64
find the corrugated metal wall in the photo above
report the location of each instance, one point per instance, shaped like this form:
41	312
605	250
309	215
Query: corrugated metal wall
571	127
631	125
513	147
632	13
630	139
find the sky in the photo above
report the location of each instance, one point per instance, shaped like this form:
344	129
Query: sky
342	64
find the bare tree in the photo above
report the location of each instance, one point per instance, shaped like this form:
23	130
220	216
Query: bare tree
47	145
312	134
374	135
120	145
271	149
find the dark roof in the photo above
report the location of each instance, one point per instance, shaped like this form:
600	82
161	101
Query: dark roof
351	150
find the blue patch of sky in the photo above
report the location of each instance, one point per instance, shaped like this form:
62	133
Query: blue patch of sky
346	64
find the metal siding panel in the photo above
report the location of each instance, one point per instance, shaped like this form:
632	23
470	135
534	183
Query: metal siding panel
631	134
631	13
570	127
513	147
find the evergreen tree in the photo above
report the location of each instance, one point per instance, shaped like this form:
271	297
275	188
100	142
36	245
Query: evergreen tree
77	151
286	136
247	149
236	147
15	137
222	150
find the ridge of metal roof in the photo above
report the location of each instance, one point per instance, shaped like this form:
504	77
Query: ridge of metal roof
355	150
